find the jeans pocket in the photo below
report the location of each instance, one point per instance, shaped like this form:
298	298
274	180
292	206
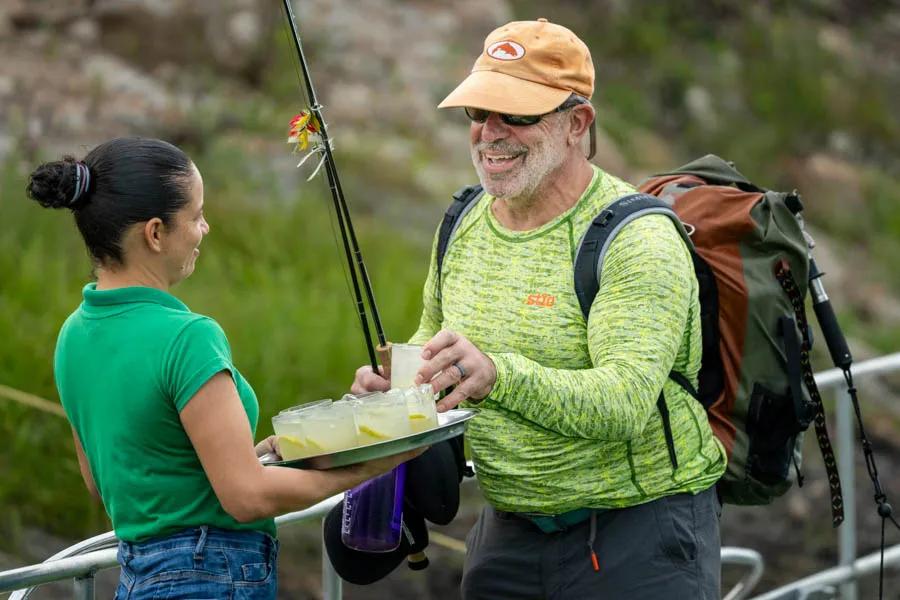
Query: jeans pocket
675	521
186	584
257	576
177	573
254	572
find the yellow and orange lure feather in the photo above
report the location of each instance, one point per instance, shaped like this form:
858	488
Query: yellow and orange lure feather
303	126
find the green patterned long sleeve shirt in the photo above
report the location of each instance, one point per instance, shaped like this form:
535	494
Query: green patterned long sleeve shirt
572	420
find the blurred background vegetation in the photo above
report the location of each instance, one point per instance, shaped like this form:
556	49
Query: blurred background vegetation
799	94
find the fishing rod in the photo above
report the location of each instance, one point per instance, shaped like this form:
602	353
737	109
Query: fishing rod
843	360
345	224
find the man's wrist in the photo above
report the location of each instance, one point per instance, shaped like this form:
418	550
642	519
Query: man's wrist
498	391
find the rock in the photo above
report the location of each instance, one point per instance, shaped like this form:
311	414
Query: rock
233	33
843	143
699	104
235	38
127	85
29	15
84	31
839	42
158	9
6	24
7	86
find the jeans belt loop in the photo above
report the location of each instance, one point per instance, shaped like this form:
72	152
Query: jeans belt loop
201	543
127	551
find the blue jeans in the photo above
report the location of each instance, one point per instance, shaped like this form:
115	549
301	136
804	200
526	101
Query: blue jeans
201	563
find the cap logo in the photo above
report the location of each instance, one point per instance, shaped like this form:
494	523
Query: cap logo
506	50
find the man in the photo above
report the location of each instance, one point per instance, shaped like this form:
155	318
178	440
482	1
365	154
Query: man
584	500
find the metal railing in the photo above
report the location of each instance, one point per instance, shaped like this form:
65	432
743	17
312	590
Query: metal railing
849	569
83	560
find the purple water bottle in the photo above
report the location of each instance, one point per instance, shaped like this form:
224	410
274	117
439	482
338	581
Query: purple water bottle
373	513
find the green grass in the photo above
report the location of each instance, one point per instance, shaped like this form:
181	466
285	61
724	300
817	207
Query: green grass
270	273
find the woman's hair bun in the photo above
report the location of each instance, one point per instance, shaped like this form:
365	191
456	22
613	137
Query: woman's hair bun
59	184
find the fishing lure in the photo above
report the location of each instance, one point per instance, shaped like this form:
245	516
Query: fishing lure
305	128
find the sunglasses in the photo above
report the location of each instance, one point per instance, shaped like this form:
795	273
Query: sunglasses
480	115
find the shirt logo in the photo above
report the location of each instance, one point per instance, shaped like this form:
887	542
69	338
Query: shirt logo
542	300
506	50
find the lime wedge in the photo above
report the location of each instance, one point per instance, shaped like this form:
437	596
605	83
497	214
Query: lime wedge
373	433
416	416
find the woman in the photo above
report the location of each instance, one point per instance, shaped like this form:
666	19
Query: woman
162	420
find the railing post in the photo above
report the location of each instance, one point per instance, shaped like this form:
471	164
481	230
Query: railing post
332	585
84	587
847	469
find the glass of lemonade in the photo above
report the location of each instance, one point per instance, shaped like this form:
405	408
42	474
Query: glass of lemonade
406	360
291	432
421	408
381	416
330	428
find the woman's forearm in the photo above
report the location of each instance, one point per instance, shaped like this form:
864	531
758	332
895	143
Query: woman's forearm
272	491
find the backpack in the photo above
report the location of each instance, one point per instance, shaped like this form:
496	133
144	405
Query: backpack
752	265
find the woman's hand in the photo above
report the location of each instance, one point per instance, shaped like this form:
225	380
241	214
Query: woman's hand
459	362
216	423
373	468
268	446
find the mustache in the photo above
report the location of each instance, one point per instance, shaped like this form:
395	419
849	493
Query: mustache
500	148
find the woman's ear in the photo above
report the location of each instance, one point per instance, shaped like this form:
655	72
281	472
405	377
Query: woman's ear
153	234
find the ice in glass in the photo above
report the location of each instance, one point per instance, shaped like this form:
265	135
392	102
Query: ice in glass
330	428
421	408
289	427
381	416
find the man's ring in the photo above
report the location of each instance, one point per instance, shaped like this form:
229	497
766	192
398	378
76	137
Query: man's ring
462	372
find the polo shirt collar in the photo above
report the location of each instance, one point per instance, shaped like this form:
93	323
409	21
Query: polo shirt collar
116	298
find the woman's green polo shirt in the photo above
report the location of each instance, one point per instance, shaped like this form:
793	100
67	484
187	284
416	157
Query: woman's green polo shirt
127	361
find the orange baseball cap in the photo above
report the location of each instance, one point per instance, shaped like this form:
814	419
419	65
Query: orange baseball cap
527	68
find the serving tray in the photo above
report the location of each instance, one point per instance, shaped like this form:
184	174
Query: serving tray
450	424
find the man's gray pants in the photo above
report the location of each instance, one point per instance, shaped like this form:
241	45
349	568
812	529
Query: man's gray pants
668	548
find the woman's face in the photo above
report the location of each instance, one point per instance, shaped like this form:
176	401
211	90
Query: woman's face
185	232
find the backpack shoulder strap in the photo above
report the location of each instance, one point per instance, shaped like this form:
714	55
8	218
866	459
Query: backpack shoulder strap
600	234
589	264
463	201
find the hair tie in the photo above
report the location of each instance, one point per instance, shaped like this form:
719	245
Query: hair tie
82	181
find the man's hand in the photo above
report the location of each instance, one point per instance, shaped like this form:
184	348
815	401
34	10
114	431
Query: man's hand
459	362
368	381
